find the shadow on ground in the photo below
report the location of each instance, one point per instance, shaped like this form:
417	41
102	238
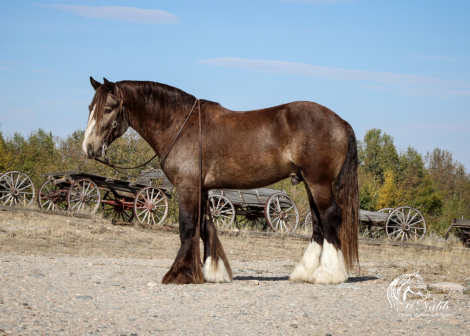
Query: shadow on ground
261	278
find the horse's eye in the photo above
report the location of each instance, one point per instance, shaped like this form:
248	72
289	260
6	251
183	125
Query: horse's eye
108	110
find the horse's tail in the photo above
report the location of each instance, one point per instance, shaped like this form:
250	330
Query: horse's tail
346	191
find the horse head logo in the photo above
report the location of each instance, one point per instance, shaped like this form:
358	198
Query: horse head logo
405	286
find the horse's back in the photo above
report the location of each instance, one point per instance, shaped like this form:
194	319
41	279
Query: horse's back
275	142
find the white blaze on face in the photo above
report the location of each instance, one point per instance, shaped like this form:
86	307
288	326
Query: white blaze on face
89	129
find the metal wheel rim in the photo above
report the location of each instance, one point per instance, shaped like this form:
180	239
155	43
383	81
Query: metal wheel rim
282	213
307	226
16	189
83	196
385	210
154	197
405	223
110	211
222	211
45	203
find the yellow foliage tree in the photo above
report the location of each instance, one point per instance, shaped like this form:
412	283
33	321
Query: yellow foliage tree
389	194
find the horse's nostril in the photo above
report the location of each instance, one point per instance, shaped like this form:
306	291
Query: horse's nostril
89	150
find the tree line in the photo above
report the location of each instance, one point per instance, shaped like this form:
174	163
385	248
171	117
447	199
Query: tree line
434	183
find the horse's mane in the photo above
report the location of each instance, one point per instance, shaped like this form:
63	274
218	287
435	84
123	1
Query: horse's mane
143	95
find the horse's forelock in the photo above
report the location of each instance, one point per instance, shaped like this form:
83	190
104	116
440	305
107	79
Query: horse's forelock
99	100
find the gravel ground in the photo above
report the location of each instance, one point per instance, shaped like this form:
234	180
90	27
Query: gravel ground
69	295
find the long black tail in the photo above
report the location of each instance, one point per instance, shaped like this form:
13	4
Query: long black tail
346	190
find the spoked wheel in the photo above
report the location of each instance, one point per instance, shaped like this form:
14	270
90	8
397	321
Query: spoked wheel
405	224
52	197
253	222
281	213
117	208
307	226
16	189
83	196
222	212
151	206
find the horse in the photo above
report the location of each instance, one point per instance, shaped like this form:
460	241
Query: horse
240	150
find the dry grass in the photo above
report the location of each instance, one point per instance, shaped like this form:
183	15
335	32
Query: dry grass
36	233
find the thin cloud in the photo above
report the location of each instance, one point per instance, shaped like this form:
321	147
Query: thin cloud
8	69
130	14
300	69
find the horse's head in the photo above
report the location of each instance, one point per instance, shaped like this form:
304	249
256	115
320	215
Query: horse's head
107	120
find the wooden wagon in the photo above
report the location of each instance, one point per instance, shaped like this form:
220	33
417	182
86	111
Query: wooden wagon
461	228
404	223
258	209
118	199
16	189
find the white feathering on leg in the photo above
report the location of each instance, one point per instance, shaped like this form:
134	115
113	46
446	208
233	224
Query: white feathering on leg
215	272
308	264
333	268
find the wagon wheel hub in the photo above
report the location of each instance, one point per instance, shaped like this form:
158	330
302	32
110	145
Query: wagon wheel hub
282	214
150	206
405	227
14	192
216	213
83	198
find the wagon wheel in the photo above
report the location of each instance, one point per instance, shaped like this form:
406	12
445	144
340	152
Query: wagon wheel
281	213
222	211
83	196
117	210
405	223
151	206
51	197
253	222
307	226
16	188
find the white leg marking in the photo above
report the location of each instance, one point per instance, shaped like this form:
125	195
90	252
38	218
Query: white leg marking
89	129
215	272
309	263
333	268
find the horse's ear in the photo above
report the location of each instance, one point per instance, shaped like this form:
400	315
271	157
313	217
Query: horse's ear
111	86
94	83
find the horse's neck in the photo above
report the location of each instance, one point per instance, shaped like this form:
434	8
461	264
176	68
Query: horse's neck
157	127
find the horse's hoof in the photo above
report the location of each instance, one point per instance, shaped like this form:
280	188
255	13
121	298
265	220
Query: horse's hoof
181	278
216	271
324	277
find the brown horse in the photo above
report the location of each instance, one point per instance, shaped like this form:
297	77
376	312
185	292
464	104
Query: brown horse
240	150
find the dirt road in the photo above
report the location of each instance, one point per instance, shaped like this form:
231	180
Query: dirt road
62	276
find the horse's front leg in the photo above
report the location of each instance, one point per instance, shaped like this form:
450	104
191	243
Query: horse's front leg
216	266
186	268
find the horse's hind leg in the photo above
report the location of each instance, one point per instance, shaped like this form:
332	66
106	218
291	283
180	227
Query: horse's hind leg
216	266
186	268
311	258
331	268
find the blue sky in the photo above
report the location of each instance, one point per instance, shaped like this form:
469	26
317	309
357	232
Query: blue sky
400	66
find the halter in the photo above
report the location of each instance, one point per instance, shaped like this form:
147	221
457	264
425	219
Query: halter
104	147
